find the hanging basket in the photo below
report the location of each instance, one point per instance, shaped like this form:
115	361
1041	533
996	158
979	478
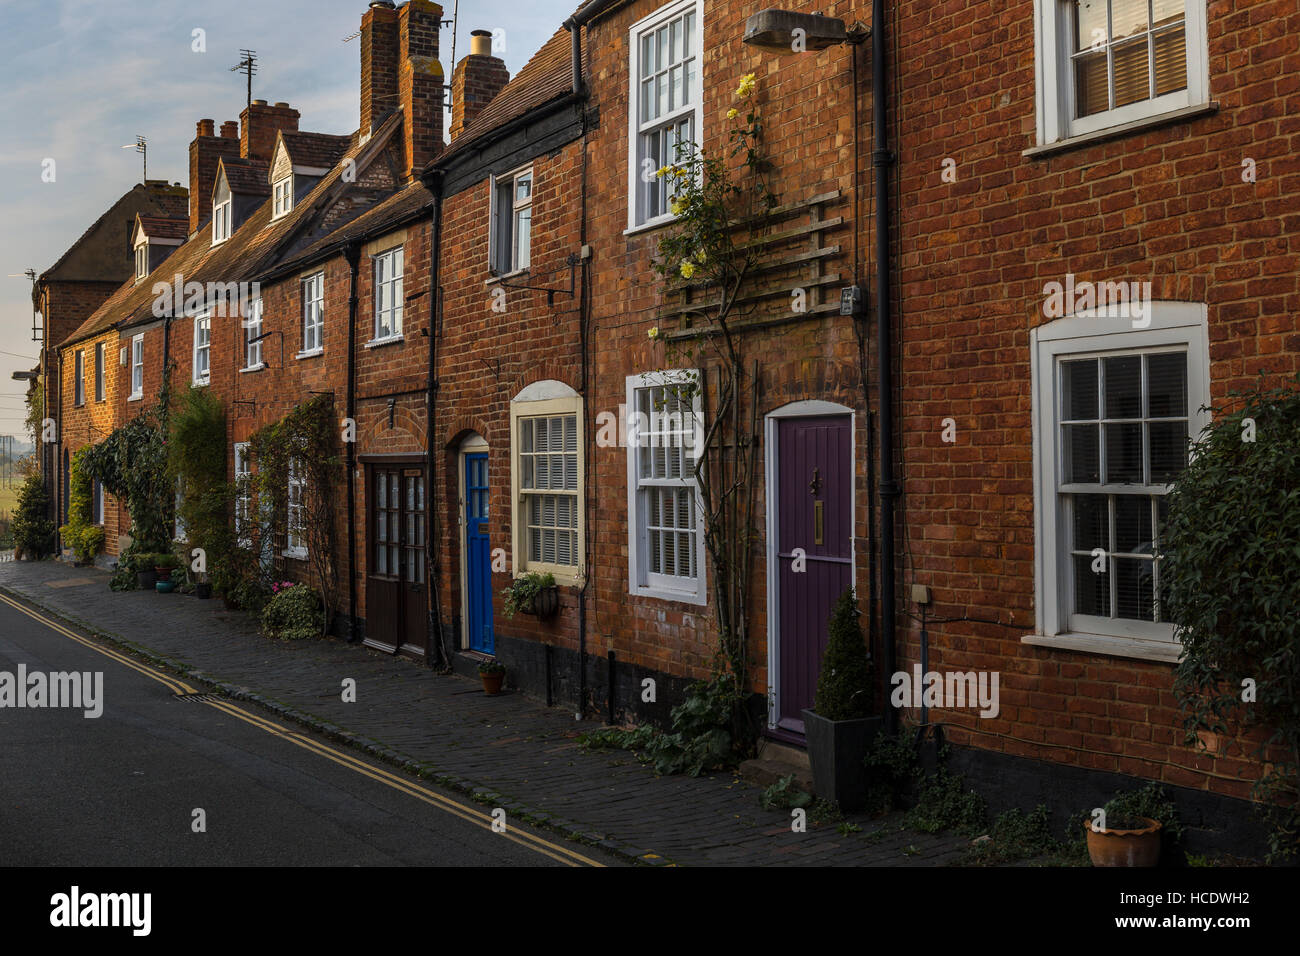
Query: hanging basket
546	603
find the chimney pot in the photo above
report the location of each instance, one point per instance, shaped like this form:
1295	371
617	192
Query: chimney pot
480	43
282	105
230	129
259	102
205	128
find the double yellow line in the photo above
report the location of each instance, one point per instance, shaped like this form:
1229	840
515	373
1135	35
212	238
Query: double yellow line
470	814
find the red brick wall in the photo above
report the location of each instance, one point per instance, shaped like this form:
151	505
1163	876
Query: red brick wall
93	420
1165	205
807	108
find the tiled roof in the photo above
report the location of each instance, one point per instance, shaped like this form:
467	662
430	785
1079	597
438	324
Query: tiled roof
256	245
547	76
315	149
156	227
160	196
248	177
400	206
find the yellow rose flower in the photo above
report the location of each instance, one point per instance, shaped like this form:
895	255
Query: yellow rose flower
746	85
662	171
654	332
688	269
733	113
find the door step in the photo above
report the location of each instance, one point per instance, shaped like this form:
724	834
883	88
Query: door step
776	760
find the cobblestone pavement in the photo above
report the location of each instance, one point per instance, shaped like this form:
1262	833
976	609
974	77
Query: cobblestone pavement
509	750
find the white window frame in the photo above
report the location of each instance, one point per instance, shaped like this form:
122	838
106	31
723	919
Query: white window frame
1173	325
282	200
101	372
221	220
504	217
295	546
388	321
253	330
137	366
142	260
202	346
243	495
545	399
1055	79
641	580
636	129
313	315
97	502
79	377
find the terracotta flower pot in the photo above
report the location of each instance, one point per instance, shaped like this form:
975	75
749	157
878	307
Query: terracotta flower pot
492	681
1125	847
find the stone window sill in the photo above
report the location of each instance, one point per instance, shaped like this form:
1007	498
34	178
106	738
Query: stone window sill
1124	129
386	340
1165	652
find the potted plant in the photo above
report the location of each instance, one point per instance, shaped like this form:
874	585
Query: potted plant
163	565
491	673
1125	840
1135	828
145	575
534	593
203	588
840	727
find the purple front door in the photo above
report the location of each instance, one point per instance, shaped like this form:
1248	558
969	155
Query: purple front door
814	519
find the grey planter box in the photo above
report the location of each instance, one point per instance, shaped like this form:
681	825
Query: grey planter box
836	750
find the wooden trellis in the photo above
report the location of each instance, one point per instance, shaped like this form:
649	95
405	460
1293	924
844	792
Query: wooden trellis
793	254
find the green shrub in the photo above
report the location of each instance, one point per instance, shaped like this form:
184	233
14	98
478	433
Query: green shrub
293	614
893	769
84	538
784	795
33	531
844	685
1017	835
703	737
947	804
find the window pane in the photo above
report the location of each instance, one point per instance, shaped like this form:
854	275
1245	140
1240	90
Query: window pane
1092	94
1133	525
1167	385
1134	590
1091	590
1080	382
1168	450
1082	456
1089	24
1090	523
1171	61
1128	18
1124	453
1132	75
524	234
1124	387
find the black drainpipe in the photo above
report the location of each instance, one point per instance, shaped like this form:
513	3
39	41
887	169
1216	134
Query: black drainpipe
573	25
881	160
433	181
352	251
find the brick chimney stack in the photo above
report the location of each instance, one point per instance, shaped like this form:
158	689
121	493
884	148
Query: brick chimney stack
260	124
419	84
378	63
206	151
475	81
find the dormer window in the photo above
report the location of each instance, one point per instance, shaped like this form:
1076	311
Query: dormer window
283	201
142	260
221	211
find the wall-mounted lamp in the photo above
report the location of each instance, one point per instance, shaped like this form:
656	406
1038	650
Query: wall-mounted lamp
784	31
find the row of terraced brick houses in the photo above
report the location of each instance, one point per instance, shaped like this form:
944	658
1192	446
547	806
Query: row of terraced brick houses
477	302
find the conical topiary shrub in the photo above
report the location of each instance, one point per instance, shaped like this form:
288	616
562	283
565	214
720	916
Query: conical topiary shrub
844	686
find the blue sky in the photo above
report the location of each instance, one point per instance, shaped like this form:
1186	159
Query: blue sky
83	77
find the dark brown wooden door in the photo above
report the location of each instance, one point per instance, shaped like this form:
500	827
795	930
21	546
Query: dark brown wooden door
396	585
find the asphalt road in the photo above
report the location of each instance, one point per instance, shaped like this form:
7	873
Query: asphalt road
122	789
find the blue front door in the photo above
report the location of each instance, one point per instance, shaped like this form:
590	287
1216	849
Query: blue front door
478	555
